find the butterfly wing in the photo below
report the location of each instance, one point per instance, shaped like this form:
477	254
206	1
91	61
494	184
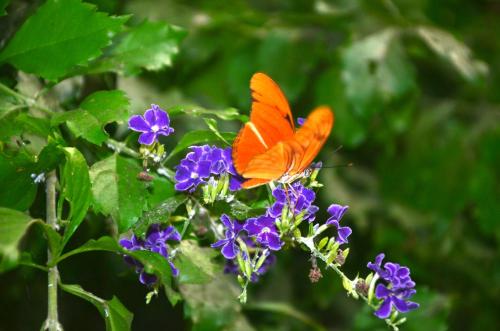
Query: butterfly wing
270	122
268	166
312	136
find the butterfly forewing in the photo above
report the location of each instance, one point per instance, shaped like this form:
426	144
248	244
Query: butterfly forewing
270	122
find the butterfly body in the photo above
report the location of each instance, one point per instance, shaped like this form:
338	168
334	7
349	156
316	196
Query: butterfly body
268	148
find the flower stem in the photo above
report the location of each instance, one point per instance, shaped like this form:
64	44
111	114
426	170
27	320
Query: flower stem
52	321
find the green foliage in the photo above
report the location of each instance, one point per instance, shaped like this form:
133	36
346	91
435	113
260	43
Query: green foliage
200	138
115	314
15	174
13	225
97	110
149	45
116	190
75	188
195	264
59	37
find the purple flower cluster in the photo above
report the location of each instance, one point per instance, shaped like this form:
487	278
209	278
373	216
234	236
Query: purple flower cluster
155	122
298	199
156	241
398	290
336	212
262	229
203	162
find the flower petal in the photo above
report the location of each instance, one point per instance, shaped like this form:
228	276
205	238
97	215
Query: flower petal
273	241
138	124
150	117
385	309
162	119
147	138
147	279
229	250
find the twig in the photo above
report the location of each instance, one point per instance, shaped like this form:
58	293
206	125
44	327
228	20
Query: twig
52	321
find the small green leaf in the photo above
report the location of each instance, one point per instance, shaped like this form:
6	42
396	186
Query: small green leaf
97	110
376	73
195	263
60	36
13	225
150	45
212	125
18	189
34	125
116	316
102	244
3	5
199	137
82	124
158	214
75	188
212	306
117	191
107	106
197	111
454	51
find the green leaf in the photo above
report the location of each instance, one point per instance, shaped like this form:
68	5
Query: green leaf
376	73
107	106
195	263
286	310
158	214
212	125
102	244
3	5
197	111
330	90
199	137
82	124
35	125
75	188
116	316
60	36
150	45
161	189
97	110
117	191
213	306
454	51
18	189
13	225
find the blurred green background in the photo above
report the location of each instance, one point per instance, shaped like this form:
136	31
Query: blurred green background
415	89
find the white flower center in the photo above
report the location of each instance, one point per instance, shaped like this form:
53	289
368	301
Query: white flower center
155	128
266	230
194	175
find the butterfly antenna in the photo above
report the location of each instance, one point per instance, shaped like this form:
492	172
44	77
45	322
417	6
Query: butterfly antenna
347	165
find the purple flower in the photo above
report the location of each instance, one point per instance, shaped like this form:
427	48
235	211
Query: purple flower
299	200
263	228
229	247
203	162
156	241
397	291
336	212
193	170
301	121
154	122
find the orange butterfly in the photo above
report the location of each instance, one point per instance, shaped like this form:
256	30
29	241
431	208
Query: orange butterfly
268	148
